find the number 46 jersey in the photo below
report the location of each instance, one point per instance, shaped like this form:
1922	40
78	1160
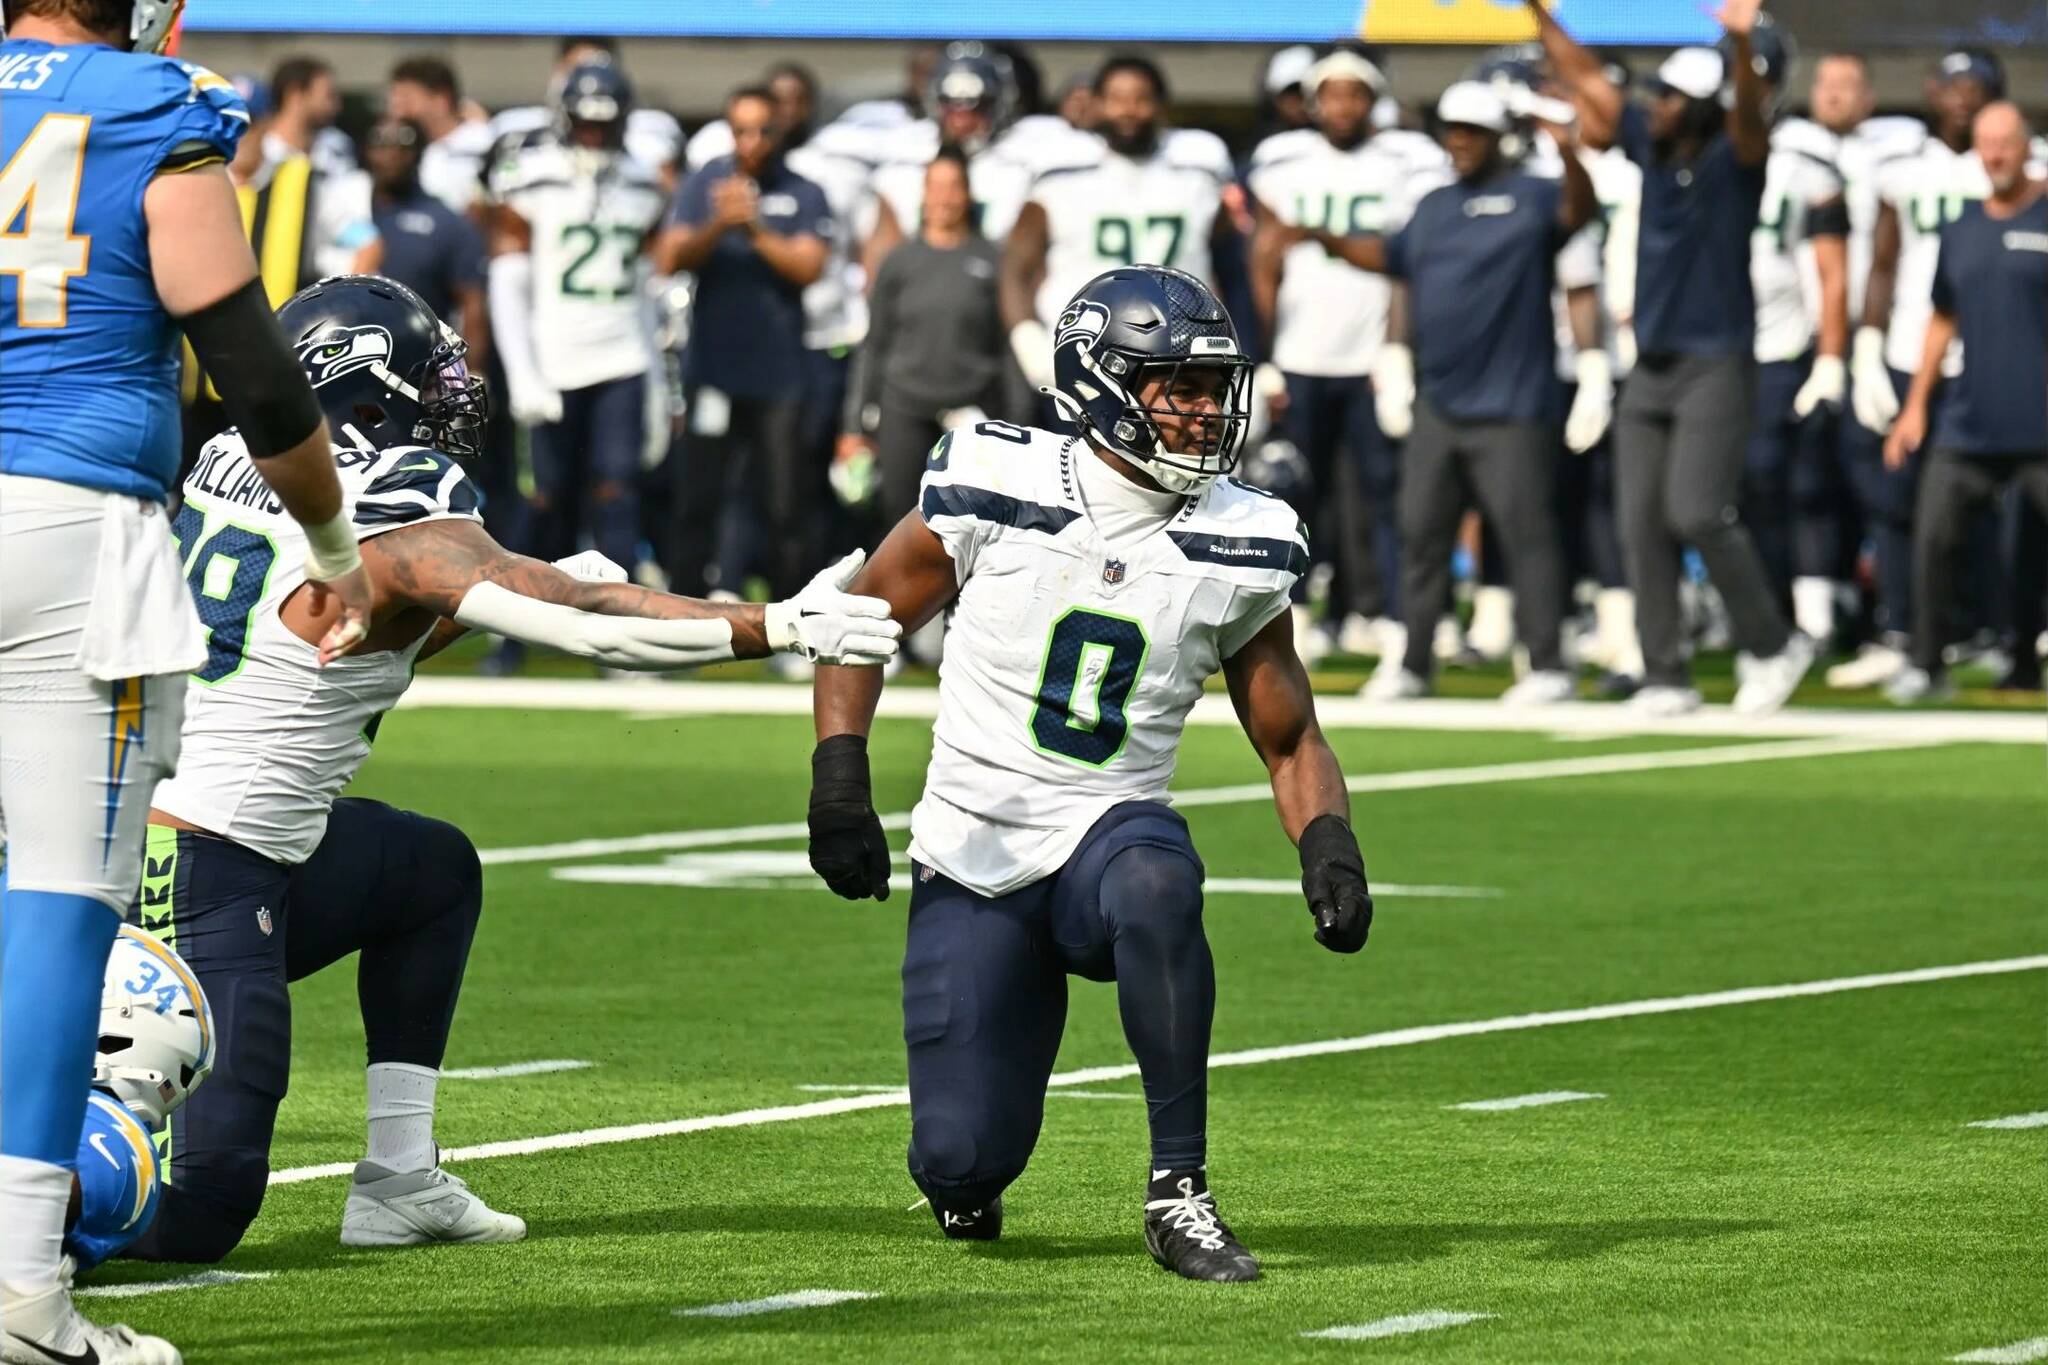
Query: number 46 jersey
590	213
1071	664
270	736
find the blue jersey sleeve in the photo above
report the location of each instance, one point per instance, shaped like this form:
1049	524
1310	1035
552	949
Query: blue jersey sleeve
205	118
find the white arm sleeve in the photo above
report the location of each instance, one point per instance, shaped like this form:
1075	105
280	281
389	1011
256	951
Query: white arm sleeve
615	641
511	298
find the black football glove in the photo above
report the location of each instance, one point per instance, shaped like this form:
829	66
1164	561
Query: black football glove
1333	879
847	847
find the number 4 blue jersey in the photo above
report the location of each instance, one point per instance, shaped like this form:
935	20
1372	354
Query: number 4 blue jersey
88	357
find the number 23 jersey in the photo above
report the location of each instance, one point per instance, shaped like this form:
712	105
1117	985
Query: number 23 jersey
271	737
1071	663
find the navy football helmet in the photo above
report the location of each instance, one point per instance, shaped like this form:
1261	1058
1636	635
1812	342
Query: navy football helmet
1142	323
382	363
972	76
595	95
1520	64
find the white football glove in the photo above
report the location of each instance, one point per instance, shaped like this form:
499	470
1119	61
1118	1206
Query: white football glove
827	625
534	403
1032	345
1593	406
1876	401
592	567
1393	390
1828	383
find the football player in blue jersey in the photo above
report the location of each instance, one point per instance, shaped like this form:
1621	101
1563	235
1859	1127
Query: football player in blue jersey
118	230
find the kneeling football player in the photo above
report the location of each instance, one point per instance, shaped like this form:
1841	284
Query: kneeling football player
1097	580
257	873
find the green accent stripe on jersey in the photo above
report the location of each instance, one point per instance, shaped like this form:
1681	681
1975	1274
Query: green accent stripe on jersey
157	906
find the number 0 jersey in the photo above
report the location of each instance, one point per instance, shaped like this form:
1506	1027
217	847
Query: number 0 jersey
270	736
88	357
1071	663
590	214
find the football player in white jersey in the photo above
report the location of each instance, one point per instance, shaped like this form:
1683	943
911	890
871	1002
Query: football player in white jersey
1145	195
1328	319
971	100
1919	193
571	219
1096	580
256	873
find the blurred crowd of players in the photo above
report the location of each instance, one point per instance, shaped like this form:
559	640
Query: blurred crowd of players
710	369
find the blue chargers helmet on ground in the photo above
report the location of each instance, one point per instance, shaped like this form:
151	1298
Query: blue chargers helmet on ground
1139	323
382	363
156	1036
595	95
1771	50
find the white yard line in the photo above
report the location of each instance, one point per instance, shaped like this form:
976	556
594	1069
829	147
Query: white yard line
1535	1101
1417	779
778	1303
498	1073
2036	1120
922	703
1435	1320
2018	1353
1403	1037
205	1279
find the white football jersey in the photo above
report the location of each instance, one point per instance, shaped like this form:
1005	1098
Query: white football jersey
590	215
1928	191
1865	151
1618	184
1803	171
270	736
1332	316
1111	211
1071	663
1579	263
997	182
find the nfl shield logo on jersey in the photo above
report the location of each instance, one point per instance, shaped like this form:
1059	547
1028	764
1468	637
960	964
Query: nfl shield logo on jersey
263	919
1113	572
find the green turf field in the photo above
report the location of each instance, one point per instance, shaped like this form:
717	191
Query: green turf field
1782	1179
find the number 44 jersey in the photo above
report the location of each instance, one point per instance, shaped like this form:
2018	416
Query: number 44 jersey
1071	663
270	736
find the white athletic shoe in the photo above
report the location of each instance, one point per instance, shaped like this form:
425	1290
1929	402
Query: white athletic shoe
1912	685
1662	702
1874	666
1771	682
1449	641
1547	687
1391	682
1358	635
44	1328
1310	641
411	1208
1492	632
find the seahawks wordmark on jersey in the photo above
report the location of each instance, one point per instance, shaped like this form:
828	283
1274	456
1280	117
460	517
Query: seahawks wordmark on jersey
1072	661
590	213
1928	191
1803	171
1114	210
270	736
1332	316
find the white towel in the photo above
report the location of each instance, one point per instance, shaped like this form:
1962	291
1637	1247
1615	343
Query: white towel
141	621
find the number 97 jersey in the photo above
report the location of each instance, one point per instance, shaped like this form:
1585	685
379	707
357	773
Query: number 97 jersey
1071	664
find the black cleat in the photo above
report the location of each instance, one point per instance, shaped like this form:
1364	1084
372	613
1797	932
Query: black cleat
984	1224
1185	1236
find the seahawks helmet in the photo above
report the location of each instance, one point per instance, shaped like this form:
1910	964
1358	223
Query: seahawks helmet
157	1040
1136	324
383	364
595	95
1517	65
972	76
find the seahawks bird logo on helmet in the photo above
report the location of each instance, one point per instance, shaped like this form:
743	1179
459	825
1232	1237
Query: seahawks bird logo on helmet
156	1041
1145	343
329	355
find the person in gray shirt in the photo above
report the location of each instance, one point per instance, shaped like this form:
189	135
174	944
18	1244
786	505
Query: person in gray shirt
935	346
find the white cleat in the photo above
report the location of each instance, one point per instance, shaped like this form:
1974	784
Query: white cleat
1661	703
1311	642
1769	683
412	1208
1546	687
1873	666
44	1328
1492	632
1358	635
1913	685
1391	682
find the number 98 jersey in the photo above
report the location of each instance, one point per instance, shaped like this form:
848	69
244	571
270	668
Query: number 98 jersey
590	214
1071	664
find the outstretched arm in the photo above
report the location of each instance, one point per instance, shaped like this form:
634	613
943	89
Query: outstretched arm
1270	690
1749	125
1598	99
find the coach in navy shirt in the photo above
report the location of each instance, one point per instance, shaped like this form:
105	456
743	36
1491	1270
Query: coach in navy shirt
754	233
1479	259
1683	425
428	247
1990	289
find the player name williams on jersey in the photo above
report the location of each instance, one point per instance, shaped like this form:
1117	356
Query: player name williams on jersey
1072	663
271	737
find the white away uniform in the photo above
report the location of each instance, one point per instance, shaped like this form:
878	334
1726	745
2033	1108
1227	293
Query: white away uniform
1802	171
1866	150
1111	210
590	214
271	737
997	182
1332	316
1928	191
1072	661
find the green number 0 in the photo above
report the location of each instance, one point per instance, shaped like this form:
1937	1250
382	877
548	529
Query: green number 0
1092	664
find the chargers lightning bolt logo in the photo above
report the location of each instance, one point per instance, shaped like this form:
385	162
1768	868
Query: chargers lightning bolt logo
124	734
